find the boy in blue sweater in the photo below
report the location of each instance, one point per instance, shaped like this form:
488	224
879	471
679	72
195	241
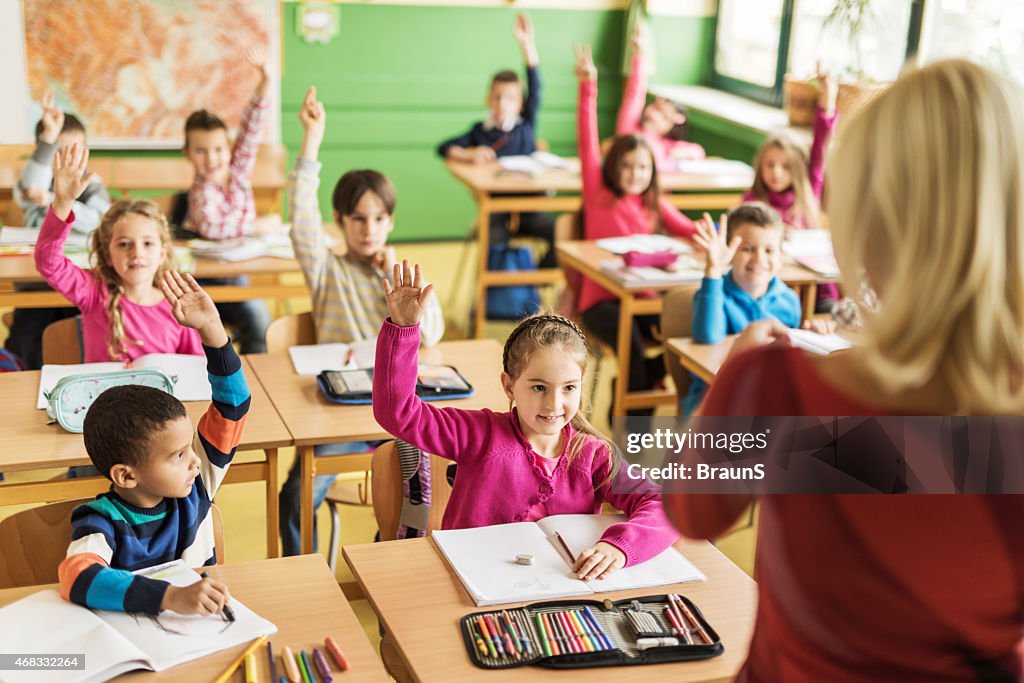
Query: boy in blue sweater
163	475
509	130
750	239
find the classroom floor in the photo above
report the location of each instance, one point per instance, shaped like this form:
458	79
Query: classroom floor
242	505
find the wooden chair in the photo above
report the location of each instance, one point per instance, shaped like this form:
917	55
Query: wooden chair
386	482
34	542
299	329
677	321
62	342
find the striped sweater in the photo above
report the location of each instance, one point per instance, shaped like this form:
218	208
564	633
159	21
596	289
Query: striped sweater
348	299
111	538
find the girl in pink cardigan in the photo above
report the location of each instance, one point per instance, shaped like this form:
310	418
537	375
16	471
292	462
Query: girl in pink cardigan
541	458
620	198
124	313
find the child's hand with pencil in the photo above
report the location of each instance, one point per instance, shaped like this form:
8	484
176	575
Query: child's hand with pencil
407	299
204	597
598	561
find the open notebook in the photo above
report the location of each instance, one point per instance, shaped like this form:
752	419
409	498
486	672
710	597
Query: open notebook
193	383
821	344
485	560
115	642
315	358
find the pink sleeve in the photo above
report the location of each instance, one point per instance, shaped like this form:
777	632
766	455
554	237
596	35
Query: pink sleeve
675	221
77	286
586	140
189	342
647	532
633	95
823	128
448	432
254	119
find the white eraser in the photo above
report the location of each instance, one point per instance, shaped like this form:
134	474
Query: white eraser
524	559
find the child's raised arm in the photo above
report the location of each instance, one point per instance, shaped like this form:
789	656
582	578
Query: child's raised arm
635	92
718	253
313	118
407	299
193	307
257	56
69	178
586	121
522	29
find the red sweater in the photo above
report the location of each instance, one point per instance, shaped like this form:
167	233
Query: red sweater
870	587
604	213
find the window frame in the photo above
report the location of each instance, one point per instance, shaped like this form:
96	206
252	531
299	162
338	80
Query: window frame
773	95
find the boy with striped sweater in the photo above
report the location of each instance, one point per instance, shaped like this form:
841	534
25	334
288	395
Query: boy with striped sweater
163	475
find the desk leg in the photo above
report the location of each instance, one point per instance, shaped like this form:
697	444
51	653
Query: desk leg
623	351
393	660
272	509
308	471
483	230
809	295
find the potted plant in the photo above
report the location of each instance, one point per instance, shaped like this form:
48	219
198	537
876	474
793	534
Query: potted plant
850	22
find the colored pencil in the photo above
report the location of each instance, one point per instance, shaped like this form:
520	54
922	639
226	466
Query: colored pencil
321	666
556	645
482	625
545	644
474	632
693	619
270	656
307	675
291	667
585	631
241	658
565	546
524	627
250	668
336	654
597	625
495	635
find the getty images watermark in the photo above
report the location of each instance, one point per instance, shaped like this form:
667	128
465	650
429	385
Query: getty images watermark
831	454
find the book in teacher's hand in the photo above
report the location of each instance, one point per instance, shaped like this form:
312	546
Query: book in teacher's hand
111	643
485	560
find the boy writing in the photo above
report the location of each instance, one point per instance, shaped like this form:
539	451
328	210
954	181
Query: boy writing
220	201
750	239
347	301
163	478
34	193
509	129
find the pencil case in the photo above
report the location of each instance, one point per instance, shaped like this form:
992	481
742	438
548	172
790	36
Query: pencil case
576	634
659	259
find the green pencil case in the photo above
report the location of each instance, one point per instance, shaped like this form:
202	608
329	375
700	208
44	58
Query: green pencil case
576	634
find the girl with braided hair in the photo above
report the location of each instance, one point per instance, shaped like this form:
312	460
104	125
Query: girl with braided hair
540	458
124	313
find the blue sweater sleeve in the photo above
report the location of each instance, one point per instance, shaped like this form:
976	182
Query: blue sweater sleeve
709	312
789	310
464	141
532	104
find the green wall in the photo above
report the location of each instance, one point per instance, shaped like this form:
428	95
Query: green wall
397	80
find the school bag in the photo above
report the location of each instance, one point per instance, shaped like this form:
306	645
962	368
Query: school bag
68	402
511	302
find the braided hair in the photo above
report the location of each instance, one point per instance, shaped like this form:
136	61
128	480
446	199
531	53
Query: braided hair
543	330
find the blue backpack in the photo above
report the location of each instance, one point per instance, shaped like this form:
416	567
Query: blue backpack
514	301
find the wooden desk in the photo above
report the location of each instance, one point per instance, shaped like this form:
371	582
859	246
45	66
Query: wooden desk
419	601
558	190
703	360
299	595
585	257
27	442
312	419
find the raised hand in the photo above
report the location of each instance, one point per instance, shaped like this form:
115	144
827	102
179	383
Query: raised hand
53	118
257	56
585	69
313	118
718	253
522	29
828	90
640	40
407	299
69	178
193	307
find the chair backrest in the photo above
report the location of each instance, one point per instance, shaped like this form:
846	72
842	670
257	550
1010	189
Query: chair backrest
62	342
386	483
289	330
677	321
34	542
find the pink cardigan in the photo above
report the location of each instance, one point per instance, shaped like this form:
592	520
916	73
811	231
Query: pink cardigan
604	213
631	111
154	326
499	481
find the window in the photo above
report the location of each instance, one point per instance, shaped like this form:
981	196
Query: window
757	43
991	31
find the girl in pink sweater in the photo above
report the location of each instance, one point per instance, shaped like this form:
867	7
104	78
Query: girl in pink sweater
124	313
541	458
620	198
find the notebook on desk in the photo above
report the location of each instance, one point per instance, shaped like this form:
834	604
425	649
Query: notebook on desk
111	643
193	383
485	560
312	359
686	271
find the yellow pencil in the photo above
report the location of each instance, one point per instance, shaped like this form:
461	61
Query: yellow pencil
250	668
241	658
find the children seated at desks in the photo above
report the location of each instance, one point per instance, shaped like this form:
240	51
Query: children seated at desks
220	201
541	458
347	301
163	477
620	197
792	185
124	313
926	192
510	129
661	123
34	194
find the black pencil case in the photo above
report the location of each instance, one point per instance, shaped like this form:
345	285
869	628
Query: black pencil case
618	638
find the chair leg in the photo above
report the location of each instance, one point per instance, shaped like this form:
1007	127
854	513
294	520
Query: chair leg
332	553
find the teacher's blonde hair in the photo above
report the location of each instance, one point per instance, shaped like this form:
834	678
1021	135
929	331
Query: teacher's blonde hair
927	202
